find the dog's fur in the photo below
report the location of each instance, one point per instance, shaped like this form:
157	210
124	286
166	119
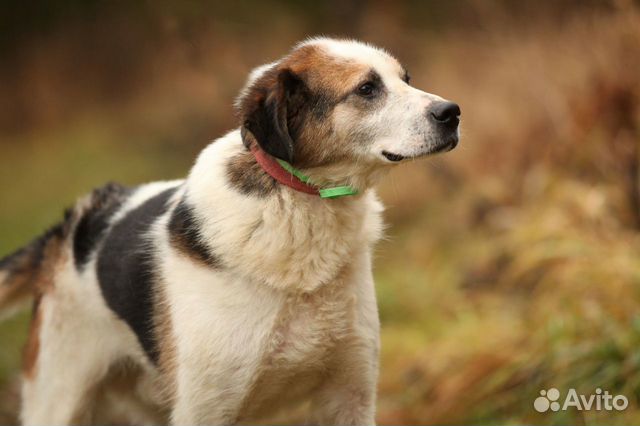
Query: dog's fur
226	297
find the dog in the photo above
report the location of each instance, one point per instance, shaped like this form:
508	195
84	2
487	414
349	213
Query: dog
247	287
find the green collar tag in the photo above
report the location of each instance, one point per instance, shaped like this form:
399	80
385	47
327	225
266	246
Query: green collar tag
336	192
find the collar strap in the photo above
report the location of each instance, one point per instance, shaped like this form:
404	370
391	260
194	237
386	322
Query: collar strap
287	175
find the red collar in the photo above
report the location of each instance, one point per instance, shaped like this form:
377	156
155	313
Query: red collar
271	166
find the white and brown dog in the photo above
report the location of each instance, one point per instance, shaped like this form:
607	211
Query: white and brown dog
246	287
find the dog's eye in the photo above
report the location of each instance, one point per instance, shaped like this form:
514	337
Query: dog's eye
406	77
366	90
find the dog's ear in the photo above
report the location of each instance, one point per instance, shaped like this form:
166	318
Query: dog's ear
272	96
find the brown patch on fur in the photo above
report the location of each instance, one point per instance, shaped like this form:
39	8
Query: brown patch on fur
166	343
32	347
17	288
53	258
184	235
305	116
323	72
246	175
29	272
29	269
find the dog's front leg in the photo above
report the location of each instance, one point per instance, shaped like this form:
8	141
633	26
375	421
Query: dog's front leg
349	393
220	328
215	367
348	396
210	397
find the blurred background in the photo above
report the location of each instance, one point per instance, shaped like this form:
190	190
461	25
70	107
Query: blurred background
512	264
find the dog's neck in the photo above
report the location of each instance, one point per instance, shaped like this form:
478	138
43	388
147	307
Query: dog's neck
342	178
296	241
361	179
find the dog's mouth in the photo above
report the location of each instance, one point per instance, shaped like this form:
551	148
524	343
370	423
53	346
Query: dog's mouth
442	147
393	157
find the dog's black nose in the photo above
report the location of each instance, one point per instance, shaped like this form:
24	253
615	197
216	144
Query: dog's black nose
446	113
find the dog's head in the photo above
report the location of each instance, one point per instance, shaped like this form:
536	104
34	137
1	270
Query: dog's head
341	110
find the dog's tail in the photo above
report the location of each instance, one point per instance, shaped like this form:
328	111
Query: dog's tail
27	271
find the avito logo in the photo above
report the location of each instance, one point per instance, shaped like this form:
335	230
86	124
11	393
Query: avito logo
550	400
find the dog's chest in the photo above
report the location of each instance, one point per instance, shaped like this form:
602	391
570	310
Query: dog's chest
301	347
308	327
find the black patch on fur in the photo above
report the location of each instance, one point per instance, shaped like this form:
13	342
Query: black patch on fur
184	231
126	270
247	176
105	201
269	106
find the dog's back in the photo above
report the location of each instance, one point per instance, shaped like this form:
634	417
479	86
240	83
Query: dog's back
27	273
77	336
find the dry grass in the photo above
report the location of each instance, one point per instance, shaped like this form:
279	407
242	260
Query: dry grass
519	263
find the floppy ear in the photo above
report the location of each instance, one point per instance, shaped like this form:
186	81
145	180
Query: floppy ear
265	106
